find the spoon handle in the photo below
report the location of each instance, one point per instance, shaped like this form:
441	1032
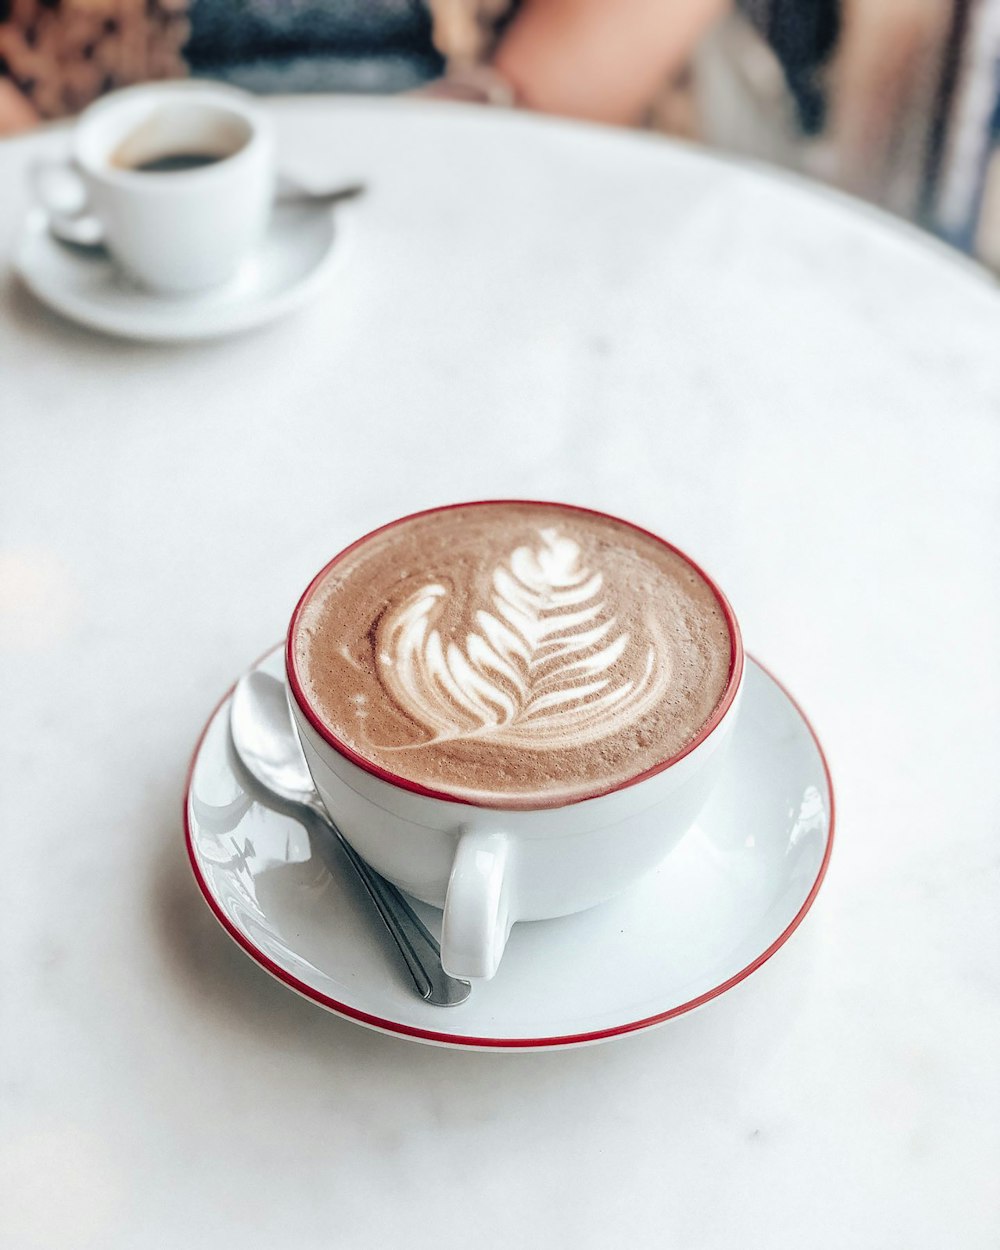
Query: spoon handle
338	195
421	952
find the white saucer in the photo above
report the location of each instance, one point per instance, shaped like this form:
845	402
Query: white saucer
720	905
304	243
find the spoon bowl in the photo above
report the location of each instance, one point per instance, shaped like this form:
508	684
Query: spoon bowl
265	740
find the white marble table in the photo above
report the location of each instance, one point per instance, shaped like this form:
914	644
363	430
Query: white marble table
804	395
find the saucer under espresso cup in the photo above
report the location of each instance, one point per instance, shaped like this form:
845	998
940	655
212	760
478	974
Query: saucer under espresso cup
178	178
302	249
513	709
722	903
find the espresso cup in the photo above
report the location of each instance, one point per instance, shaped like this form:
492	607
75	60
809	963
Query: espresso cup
178	179
487	868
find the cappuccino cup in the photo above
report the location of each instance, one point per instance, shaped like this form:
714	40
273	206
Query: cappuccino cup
177	180
513	710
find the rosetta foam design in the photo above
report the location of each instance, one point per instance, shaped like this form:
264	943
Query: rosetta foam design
542	669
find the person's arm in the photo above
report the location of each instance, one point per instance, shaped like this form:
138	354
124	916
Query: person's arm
597	59
16	113
888	64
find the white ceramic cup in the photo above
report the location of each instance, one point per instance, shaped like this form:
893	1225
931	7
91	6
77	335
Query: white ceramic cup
174	232
487	868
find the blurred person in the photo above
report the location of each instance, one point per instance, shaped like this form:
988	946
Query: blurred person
586	59
845	90
583	58
884	90
56	56
840	89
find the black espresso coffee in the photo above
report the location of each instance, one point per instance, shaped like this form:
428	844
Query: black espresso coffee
512	654
176	163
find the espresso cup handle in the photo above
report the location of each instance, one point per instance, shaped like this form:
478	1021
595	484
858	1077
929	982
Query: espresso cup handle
477	909
58	187
61	191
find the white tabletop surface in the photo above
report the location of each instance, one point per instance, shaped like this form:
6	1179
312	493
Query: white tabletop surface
802	394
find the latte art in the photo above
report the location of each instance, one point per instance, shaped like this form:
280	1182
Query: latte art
511	654
543	668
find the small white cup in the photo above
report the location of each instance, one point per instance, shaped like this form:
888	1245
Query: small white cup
487	868
174	232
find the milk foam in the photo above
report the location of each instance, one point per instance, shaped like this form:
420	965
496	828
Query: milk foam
513	654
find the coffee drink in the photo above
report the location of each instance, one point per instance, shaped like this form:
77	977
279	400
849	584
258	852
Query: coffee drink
512	654
176	163
178	137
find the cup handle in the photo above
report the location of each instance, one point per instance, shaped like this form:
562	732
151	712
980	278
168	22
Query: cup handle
61	191
477	909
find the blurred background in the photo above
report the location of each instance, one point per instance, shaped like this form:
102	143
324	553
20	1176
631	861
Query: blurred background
896	101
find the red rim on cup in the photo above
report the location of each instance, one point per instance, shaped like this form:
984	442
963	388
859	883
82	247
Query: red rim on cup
376	770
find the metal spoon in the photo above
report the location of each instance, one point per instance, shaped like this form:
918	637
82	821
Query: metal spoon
269	749
82	233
